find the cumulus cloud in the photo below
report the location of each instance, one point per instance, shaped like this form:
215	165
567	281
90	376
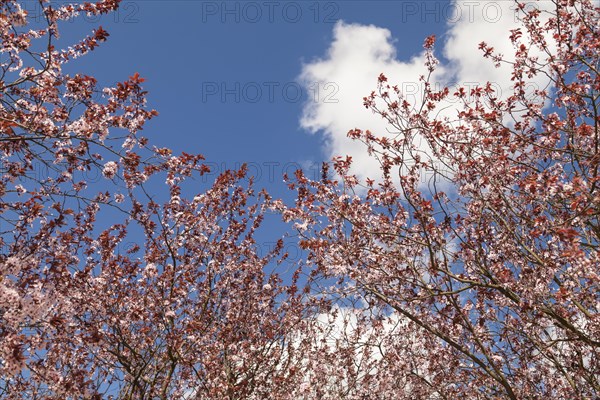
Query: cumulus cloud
359	53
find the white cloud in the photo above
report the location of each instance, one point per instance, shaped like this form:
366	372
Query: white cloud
359	53
356	57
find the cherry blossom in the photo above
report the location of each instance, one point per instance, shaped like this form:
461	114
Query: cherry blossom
105	292
496	278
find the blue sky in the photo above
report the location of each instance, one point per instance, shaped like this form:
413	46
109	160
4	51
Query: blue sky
278	84
225	75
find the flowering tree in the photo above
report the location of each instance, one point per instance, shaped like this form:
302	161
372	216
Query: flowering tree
494	279
189	310
487	289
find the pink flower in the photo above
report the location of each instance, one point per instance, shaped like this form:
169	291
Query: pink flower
110	169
